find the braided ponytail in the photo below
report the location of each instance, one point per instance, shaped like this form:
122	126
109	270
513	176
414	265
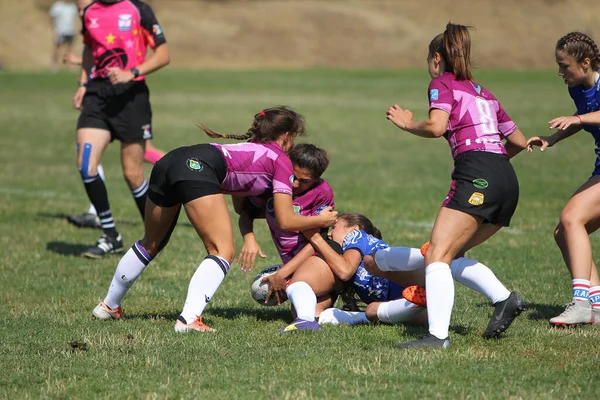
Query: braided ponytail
268	125
580	46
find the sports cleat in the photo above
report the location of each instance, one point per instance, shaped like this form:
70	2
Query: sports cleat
576	313
504	314
424	248
86	220
301	325
596	312
425	341
102	311
106	245
182	326
415	294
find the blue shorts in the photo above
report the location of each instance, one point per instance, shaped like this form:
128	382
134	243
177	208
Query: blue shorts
370	288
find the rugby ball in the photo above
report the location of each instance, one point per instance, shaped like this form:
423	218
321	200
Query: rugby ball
259	289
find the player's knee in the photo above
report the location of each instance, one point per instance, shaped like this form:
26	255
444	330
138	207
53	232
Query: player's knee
570	218
87	168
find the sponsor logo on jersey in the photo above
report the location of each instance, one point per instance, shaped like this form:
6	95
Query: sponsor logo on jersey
480	183
93	23
296	209
433	94
156	29
194	164
125	22
476	199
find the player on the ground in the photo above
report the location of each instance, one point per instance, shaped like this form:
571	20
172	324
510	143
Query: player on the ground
578	61
115	101
356	236
484	191
196	178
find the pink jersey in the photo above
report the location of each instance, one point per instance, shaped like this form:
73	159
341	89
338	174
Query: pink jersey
477	120
253	168
309	203
119	33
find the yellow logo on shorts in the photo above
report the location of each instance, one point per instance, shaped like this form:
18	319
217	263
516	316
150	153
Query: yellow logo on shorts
476	199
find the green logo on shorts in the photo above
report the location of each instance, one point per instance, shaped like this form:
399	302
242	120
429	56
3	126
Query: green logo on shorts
194	164
480	183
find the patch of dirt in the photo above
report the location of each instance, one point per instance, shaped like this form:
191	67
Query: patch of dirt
238	34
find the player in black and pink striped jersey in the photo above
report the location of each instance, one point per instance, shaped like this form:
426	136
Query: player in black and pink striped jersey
115	101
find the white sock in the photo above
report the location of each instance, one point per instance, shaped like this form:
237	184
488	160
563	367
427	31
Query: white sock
396	311
335	316
480	278
399	259
129	269
92	209
440	298
304	300
204	283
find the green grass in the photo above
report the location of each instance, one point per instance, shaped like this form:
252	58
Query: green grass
47	291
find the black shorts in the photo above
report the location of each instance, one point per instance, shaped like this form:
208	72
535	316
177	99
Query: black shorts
334	245
123	110
64	39
484	184
187	173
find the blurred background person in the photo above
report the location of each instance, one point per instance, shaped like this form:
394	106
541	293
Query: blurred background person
62	14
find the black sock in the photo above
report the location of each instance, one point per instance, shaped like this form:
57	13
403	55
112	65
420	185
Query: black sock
139	195
96	191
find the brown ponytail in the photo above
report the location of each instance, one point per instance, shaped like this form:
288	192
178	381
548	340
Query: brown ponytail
457	51
268	125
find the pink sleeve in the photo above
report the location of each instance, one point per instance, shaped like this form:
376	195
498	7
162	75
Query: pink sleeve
440	96
283	175
506	126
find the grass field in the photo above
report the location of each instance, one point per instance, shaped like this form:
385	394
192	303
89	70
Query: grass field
47	291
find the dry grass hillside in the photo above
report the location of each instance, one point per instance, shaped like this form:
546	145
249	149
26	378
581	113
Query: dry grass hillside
324	33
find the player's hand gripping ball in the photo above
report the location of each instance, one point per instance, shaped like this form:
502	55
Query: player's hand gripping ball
259	289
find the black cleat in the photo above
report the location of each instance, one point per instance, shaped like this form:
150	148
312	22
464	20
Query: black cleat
504	314
106	245
426	341
86	220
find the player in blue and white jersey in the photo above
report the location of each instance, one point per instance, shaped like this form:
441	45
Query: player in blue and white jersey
578	60
324	274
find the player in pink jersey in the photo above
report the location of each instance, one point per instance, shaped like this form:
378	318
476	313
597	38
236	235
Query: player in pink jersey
152	154
115	101
484	191
197	177
578	60
311	195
